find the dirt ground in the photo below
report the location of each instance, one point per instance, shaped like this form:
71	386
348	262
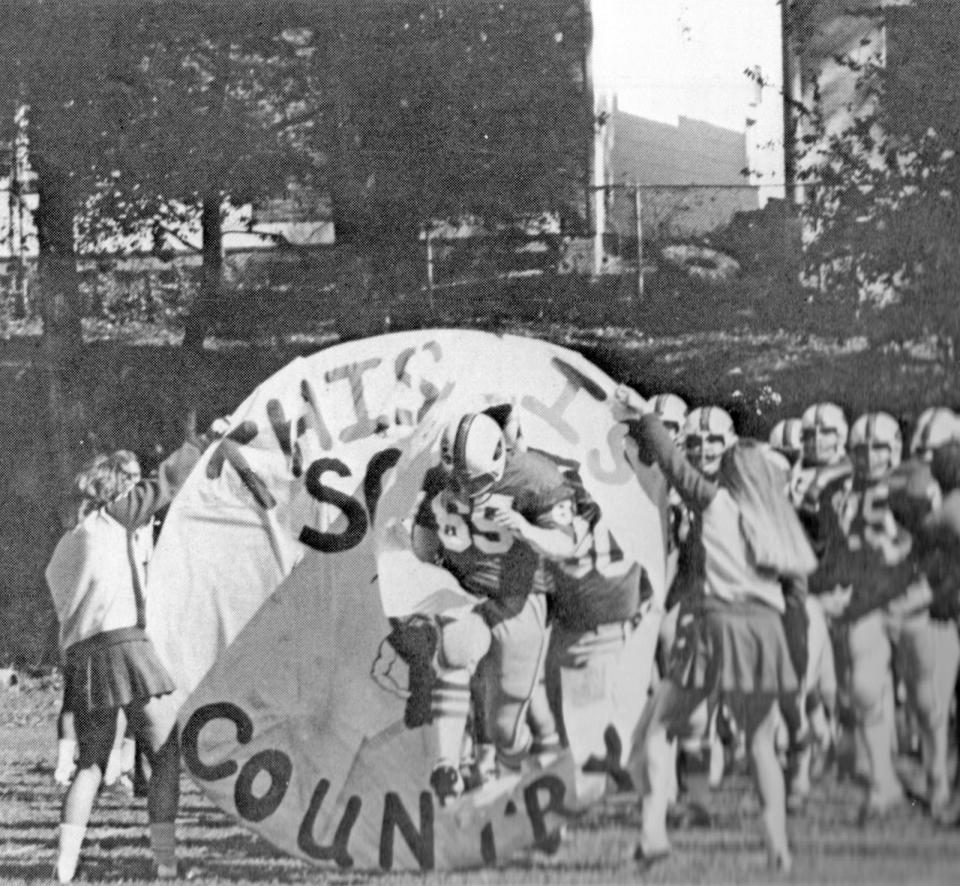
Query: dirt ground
828	844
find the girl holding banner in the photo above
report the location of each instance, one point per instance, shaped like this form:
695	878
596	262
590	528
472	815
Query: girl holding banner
96	579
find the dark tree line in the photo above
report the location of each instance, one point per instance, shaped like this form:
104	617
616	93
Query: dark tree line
144	114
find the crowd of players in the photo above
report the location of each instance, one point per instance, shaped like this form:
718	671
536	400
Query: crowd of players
813	594
878	621
813	597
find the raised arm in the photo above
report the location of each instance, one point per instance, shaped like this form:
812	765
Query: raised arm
656	445
136	507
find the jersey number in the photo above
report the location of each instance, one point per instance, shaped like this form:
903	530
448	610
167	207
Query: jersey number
597	550
867	521
459	528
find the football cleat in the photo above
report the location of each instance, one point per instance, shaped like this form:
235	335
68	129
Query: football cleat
708	432
824	430
672	411
473	451
876	445
936	426
447	783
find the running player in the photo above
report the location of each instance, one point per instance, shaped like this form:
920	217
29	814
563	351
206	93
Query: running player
491	516
928	646
866	564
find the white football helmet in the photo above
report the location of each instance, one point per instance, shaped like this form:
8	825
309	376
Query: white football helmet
824	431
672	411
787	439
708	432
936	426
473	451
876	445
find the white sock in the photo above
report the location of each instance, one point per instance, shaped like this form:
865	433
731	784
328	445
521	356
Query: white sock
128	756
68	853
114	766
66	751
163	842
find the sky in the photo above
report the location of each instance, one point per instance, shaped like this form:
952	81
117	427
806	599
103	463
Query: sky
667	58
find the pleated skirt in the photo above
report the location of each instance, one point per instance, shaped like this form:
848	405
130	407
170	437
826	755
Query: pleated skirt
112	670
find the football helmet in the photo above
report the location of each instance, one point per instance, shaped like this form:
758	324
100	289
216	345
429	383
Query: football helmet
876	445
708	432
823	428
787	439
936	426
672	411
474	454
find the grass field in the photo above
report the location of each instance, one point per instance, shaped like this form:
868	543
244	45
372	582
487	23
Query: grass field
135	391
829	846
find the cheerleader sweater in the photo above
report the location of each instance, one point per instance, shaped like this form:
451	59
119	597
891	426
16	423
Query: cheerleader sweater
98	568
728	571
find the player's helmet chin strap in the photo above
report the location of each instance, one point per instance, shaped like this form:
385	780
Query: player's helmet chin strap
475	489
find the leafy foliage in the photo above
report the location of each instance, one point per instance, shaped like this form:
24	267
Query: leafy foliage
883	209
456	109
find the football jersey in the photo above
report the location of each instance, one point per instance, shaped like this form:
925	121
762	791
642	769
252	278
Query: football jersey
864	546
807	488
597	584
485	558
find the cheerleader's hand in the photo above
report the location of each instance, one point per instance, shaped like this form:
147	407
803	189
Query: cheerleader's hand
630	400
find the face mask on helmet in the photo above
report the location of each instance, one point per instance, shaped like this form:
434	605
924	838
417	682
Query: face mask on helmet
823	429
473	453
708	433
672	411
786	438
875	445
936	426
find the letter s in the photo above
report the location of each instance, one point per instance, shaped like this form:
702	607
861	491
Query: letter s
333	542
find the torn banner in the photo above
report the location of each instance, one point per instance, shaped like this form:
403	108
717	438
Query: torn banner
285	554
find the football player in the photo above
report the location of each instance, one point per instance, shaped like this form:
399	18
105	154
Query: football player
819	685
865	564
929	647
939	557
824	431
935	426
601	604
824	461
787	439
491	516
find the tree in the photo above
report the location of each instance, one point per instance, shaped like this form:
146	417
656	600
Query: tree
215	108
452	109
883	212
55	63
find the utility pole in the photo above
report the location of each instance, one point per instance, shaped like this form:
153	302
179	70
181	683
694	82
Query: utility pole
792	95
428	240
596	160
638	214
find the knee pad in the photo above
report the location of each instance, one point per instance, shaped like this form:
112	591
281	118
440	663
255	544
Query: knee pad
463	642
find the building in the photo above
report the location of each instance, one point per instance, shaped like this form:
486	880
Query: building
693	176
834	41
